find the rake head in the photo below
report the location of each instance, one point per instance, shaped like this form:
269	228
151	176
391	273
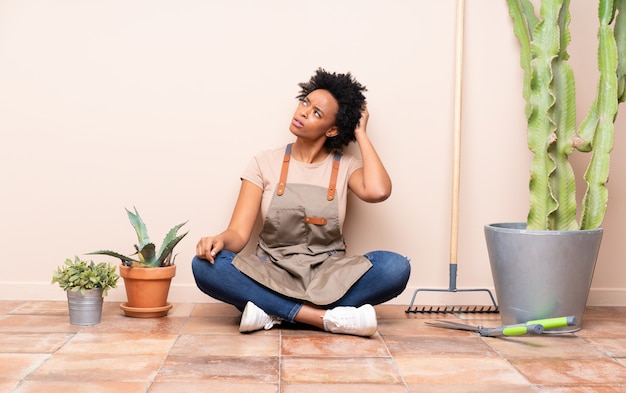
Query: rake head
452	309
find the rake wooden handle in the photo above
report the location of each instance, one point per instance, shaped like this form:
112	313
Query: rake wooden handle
456	164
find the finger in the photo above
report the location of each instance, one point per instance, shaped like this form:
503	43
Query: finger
210	255
203	249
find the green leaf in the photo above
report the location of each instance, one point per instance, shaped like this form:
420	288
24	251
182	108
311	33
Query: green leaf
140	228
169	242
124	258
169	248
147	255
78	275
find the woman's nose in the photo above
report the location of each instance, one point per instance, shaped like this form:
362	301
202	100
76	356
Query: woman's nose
304	111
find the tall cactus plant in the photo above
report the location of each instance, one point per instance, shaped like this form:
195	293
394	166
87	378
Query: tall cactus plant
549	91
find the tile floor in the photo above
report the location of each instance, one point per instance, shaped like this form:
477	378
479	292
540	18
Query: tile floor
197	348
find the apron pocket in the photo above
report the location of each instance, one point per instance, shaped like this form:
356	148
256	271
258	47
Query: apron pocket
286	227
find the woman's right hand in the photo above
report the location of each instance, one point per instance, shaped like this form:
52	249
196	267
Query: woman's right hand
208	247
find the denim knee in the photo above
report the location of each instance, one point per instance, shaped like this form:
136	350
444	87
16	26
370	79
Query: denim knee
393	266
210	276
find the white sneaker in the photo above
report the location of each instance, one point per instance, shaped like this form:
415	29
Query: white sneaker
351	320
253	318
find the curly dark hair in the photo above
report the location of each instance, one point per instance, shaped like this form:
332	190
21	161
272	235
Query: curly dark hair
349	95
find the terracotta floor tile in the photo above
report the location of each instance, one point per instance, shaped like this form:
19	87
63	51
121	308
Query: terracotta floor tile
6	306
208	310
205	345
42	308
37	324
98	368
8	386
15	366
217	325
82	387
198	347
177	310
212	386
594	312
612	347
574	372
458	371
582	389
359	370
389	311
566	346
450	387
429	346
343	388
417	327
181	310
123	324
32	342
111	309
296	330
249	369
603	327
486	319
333	345
120	344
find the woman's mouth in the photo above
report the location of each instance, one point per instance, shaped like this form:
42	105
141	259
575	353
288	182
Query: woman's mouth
297	123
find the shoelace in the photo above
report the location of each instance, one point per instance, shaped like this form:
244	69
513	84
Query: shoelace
344	320
273	321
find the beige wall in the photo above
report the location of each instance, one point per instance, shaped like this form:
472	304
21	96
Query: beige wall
160	104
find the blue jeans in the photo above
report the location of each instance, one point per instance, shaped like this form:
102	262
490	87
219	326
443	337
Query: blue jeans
386	279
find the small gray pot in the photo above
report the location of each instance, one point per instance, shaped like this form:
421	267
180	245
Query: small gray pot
85	309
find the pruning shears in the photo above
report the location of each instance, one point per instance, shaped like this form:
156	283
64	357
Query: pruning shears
531	327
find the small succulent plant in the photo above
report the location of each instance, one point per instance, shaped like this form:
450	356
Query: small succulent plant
80	275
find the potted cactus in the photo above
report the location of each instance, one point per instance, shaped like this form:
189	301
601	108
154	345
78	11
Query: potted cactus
147	273
85	283
544	267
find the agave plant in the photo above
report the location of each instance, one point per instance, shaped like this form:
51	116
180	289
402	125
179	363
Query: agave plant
550	97
146	255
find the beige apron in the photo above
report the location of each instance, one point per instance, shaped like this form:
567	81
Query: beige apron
301	252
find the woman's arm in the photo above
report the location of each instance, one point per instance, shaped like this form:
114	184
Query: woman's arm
370	183
238	233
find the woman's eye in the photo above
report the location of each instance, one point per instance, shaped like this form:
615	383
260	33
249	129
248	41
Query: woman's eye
317	114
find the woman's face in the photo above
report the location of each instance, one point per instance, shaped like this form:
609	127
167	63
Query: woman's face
314	117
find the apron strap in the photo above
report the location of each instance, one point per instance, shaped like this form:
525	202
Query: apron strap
283	172
332	186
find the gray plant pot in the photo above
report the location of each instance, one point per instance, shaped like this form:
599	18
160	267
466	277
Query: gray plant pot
85	309
541	274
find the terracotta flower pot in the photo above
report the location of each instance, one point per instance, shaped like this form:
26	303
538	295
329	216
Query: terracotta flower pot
147	290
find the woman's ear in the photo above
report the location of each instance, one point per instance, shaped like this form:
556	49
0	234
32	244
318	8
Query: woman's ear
332	132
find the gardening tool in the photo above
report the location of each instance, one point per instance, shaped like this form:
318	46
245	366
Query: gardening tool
531	327
454	230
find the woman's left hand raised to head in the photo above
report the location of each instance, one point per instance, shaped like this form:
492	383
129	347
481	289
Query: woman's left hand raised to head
362	125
